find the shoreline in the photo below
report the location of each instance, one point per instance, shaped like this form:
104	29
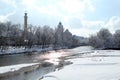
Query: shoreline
13	71
23	50
25	69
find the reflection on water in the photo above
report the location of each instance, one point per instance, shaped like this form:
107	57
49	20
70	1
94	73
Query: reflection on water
55	58
53	55
38	57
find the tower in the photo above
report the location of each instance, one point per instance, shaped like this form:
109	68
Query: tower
25	26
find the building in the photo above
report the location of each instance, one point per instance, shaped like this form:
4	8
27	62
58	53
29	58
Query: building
25	27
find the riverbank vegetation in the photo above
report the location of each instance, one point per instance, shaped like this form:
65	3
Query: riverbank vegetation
104	39
12	35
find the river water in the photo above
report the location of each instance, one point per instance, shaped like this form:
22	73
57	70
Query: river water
34	57
57	58
37	56
16	59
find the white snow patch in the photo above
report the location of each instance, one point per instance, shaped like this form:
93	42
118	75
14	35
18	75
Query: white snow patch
13	68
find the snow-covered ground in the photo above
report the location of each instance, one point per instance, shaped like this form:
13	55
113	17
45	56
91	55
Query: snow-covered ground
98	65
13	68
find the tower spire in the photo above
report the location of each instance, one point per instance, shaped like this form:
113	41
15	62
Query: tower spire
25	25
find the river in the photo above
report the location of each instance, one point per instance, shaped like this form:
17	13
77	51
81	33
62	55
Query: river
80	63
44	59
6	60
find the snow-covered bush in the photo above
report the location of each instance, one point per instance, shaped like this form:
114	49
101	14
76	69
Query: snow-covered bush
117	39
103	39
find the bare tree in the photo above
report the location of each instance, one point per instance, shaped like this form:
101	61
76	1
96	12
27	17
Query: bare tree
59	34
67	38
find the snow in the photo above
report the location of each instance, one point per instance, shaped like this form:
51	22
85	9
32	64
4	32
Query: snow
15	50
87	65
90	67
13	68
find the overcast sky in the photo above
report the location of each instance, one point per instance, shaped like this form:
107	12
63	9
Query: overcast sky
81	17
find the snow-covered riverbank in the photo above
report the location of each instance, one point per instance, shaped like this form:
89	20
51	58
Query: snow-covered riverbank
83	63
98	65
13	68
19	50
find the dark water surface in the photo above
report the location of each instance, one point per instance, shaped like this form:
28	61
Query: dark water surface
17	59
